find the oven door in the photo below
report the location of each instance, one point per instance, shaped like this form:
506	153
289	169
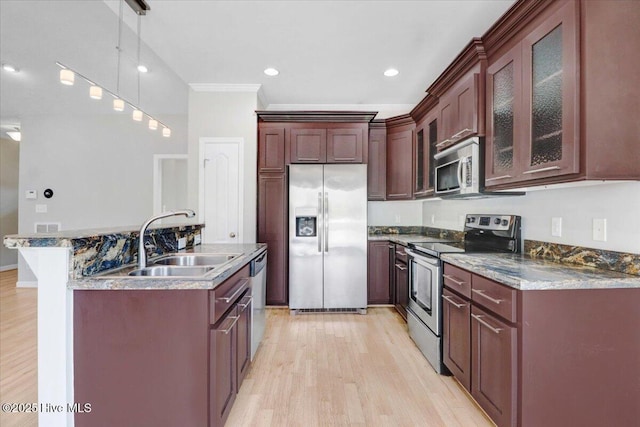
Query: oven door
425	288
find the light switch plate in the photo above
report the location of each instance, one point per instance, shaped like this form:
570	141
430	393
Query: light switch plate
600	229
556	226
31	194
41	208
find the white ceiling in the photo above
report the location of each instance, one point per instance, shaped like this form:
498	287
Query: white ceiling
328	52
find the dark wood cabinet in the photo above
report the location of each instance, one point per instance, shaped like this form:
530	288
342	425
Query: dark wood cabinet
308	145
400	159
344	145
379	285
401	281
533	104
272	230
223	370
377	165
271	150
424	162
494	366
160	357
244	336
456	315
461	96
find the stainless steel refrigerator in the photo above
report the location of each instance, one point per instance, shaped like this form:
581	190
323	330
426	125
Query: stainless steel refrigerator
328	237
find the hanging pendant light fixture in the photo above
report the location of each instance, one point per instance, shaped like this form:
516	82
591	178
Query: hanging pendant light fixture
67	77
95	92
67	74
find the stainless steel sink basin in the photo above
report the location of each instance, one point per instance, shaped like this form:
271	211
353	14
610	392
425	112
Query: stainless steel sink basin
195	259
171	271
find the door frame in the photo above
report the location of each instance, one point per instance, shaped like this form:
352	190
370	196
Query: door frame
203	142
157	177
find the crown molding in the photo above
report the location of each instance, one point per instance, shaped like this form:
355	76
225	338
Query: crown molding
225	87
316	116
471	55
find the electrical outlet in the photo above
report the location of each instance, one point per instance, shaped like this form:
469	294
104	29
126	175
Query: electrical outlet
600	229
433	218
398	219
556	226
182	243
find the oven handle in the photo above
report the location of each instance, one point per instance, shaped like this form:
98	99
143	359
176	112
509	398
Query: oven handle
430	260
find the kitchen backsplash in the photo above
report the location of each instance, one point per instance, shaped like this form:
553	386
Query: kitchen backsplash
599	258
439	233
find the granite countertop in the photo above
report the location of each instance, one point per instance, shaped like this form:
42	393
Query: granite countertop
405	239
118	279
522	272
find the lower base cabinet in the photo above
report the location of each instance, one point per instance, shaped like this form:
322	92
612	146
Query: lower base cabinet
553	358
401	281
378	284
161	357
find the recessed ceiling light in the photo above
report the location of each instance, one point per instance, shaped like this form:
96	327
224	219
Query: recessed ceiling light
271	72
9	68
391	72
142	68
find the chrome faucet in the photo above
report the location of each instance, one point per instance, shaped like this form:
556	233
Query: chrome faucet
142	252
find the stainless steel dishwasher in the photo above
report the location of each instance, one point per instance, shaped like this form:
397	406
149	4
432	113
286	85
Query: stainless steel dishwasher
258	272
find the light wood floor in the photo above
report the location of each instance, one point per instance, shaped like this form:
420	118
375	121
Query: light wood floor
18	342
310	370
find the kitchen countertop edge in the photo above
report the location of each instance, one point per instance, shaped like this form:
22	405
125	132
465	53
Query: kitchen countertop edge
521	272
118	280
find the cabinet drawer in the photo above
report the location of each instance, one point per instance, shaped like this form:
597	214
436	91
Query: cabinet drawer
401	254
457	279
227	293
498	298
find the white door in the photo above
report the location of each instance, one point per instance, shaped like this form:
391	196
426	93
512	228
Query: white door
221	189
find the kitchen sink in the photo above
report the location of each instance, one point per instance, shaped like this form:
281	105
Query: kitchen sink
171	271
213	260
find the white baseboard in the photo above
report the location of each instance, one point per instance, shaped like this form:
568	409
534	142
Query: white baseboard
27	284
9	267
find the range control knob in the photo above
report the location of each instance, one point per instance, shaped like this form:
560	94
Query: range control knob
496	221
505	222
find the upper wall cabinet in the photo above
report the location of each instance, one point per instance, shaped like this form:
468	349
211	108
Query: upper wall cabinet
377	165
271	150
533	105
562	99
308	145
400	143
426	116
460	92
334	143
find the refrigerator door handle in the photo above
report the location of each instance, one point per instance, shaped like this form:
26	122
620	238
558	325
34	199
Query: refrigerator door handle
326	222
319	226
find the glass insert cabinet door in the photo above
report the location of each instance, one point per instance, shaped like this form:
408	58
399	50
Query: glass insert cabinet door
533	104
550	84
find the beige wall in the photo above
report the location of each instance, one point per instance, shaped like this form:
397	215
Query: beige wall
9	158
226	114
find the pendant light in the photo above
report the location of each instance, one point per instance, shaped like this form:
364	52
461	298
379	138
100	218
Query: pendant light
67	77
137	115
95	92
153	124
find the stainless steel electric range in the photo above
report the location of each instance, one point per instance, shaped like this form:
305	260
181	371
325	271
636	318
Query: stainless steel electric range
482	233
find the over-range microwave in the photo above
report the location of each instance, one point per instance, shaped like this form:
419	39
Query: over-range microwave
459	172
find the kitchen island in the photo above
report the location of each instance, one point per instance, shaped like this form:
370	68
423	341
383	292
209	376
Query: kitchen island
81	274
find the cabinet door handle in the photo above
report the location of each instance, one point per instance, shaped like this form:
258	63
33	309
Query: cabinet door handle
398	266
497	178
241	288
457	282
452	302
479	317
482	294
550	168
245	302
234	320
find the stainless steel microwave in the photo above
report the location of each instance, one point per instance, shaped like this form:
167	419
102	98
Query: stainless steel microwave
458	169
